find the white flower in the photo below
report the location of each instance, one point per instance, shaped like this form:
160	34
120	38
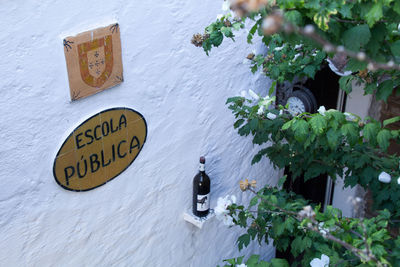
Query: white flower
322	229
279	48
280	112
271	116
253	94
226	5
398	181
260	110
227	220
257	17
220	16
241	265
323	262
298	46
267	101
307	211
384	177
322	110
243	94
221	210
296	56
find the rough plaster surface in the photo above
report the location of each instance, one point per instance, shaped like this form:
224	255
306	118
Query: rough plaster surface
136	219
359	104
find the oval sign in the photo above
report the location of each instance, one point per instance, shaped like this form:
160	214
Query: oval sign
99	149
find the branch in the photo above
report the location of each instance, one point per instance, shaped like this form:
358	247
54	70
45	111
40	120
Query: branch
309	32
354	21
362	255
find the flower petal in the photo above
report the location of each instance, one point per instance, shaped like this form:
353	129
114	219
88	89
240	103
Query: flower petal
384	177
271	116
322	110
325	259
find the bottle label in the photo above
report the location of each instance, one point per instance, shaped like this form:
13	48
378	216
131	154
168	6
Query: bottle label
201	167
203	202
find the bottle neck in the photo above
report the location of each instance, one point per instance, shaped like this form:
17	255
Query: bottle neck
201	167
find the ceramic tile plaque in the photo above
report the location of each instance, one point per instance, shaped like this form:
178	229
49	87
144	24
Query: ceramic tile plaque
93	60
99	149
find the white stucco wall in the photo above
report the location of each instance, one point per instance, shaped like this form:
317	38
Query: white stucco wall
136	219
343	198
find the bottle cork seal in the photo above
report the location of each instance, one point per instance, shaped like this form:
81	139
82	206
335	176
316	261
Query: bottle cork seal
202	160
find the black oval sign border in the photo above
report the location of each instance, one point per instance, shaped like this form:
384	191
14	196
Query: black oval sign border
106	110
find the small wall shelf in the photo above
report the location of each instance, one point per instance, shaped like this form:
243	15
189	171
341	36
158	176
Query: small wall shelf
197	221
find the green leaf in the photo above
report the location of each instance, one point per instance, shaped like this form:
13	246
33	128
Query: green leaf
351	132
345	83
396	7
288	124
264	264
278	228
370	131
300	129
383	138
243	241
318	124
390	121
272	88
310	71
395	48
216	38
253	259
253	201
355	65
251	33
233	99
237	25
384	90
294	17
206	46
379	33
374	14
297	246
345	10
238	123
356	37
282	181
333	138
227	32
279	263
253	124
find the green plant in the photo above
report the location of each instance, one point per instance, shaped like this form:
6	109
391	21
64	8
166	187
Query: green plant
309	232
332	142
299	36
367	32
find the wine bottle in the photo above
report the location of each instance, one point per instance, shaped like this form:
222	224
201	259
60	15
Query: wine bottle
201	191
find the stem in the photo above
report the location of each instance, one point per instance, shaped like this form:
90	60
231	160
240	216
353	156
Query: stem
325	43
359	253
354	21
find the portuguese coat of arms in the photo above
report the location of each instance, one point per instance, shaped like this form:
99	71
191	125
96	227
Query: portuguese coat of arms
93	61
